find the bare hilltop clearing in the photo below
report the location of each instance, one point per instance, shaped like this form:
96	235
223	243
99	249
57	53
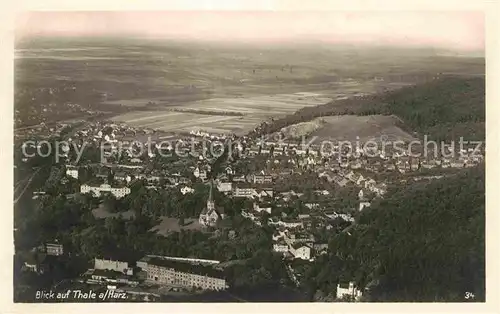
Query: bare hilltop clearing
350	128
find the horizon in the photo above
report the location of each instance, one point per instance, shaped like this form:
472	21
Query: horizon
453	31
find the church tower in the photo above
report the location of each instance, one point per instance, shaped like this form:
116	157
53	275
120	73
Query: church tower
210	201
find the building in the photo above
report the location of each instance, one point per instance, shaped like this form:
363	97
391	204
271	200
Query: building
72	172
244	192
240	179
363	205
181	274
268	192
54	249
122	176
200	173
210	215
186	189
280	247
224	186
262	179
300	250
262	207
348	290
105	264
361	195
105	188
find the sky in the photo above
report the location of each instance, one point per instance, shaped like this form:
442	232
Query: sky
447	29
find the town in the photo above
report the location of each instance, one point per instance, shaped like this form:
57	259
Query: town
298	195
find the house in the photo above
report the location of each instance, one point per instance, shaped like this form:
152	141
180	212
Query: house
55	249
199	173
348	289
311	205
380	188
320	248
72	172
360	179
304	216
224	186
300	250
361	195
264	193
351	176
290	224
322	192
122	176
363	205
457	164
229	170
334	215
280	247
185	190
288	195
244	192
209	216
370	183
265	207
356	164
340	181
390	167
414	164
239	179
262	179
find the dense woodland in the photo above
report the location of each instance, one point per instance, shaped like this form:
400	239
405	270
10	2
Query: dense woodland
443	109
424	242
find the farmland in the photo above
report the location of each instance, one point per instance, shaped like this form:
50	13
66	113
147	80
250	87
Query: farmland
253	110
181	86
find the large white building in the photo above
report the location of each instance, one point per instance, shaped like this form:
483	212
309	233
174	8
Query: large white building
244	192
302	251
105	264
348	290
105	188
175	273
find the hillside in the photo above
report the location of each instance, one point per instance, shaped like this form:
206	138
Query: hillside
422	243
443	109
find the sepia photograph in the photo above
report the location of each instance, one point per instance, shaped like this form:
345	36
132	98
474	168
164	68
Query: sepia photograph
249	156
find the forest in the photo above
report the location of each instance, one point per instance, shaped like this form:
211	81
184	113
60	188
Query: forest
423	243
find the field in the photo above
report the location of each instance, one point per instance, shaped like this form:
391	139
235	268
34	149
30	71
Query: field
214	115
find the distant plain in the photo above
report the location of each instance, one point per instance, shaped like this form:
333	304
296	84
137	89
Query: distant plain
178	87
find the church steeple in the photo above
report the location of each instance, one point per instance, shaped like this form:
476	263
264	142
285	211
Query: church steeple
210	201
